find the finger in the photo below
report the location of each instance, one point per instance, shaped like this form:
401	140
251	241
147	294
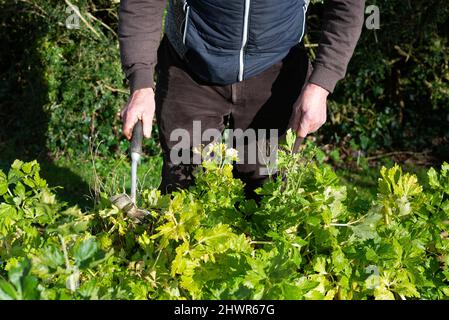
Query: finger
315	126
129	123
303	129
294	120
147	122
123	111
302	132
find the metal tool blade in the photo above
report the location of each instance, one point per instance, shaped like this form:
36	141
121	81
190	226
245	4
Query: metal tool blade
135	159
136	151
123	201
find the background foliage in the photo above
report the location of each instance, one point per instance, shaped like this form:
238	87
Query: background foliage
396	95
61	88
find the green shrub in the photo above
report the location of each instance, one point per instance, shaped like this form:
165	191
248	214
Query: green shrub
67	86
300	242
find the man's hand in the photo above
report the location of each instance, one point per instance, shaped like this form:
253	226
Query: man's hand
140	106
310	110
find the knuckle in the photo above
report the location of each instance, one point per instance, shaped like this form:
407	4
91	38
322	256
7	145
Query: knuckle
307	117
131	115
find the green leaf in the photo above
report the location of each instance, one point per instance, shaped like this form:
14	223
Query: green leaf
25	286
305	285
7	291
16	273
19	190
371	255
29	288
339	261
433	178
84	250
17	164
320	155
314	295
290	140
29	182
320	265
180	262
28	166
382	293
8	217
445	169
445	291
52	257
367	228
3	183
313	220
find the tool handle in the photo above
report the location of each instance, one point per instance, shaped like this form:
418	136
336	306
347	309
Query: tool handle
136	140
298	142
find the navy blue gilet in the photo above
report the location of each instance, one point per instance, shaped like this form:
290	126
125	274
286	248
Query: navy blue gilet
227	41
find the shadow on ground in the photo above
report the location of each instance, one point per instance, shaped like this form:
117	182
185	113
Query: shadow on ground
23	94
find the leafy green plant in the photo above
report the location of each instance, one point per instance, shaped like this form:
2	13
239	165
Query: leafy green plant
303	240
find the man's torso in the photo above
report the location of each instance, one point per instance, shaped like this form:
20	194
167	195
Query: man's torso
227	41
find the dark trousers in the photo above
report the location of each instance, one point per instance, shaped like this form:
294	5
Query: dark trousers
265	101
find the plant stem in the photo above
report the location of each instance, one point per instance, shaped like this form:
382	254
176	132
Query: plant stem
260	242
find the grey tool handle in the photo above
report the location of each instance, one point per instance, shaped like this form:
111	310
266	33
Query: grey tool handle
136	140
298	142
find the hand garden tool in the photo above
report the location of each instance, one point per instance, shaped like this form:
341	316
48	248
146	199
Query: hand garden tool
122	201
298	143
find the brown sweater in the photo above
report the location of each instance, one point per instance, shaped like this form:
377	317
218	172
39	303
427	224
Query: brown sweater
140	28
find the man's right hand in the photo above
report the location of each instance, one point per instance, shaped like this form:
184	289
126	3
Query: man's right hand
140	106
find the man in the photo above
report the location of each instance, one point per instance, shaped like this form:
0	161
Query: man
240	63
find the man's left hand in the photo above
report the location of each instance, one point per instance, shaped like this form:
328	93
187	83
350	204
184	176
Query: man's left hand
310	110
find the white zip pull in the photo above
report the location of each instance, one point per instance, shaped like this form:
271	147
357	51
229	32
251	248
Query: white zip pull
306	4
244	39
186	9
304	18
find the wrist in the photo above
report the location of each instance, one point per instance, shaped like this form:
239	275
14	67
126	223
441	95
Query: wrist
144	91
316	89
